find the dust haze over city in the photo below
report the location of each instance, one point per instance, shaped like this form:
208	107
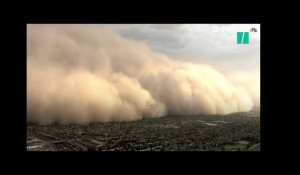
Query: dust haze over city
142	87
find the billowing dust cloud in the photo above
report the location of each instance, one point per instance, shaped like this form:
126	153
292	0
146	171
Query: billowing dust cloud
79	74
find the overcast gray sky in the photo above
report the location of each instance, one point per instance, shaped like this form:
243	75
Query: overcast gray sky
211	43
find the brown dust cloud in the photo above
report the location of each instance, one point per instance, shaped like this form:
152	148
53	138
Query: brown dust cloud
79	74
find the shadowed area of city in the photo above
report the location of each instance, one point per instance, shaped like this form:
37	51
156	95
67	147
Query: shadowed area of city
234	132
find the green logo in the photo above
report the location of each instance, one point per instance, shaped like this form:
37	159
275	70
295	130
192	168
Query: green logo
242	37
